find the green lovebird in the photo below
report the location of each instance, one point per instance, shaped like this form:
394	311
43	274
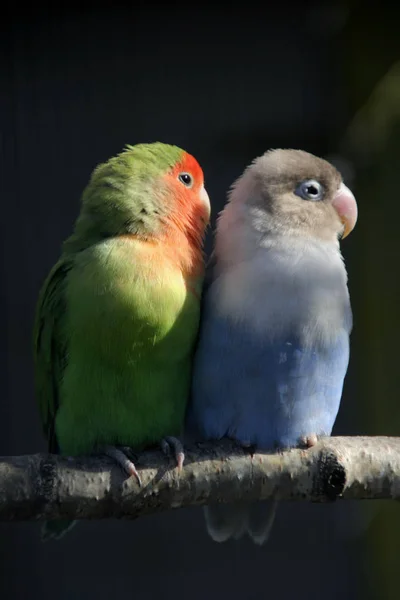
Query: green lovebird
118	315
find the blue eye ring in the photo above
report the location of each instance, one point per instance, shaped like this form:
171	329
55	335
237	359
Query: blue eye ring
186	179
310	189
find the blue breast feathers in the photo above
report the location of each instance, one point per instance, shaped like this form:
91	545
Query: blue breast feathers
263	393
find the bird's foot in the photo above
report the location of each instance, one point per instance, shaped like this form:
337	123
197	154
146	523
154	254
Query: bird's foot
309	440
171	444
123	456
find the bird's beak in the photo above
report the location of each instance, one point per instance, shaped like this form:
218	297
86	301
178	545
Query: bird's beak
346	206
206	202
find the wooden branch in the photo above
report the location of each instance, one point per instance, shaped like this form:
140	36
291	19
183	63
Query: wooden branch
50	487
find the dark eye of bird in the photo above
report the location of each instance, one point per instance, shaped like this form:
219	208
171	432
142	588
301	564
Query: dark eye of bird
310	190
186	179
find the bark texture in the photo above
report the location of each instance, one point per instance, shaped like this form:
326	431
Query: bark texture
46	486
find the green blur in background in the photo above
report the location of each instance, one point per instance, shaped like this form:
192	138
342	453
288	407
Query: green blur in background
371	58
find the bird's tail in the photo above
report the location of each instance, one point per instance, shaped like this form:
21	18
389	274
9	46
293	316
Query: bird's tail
225	521
54	530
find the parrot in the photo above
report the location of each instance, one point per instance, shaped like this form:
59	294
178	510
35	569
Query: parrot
273	345
117	317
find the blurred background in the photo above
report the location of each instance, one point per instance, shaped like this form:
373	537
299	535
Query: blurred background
225	83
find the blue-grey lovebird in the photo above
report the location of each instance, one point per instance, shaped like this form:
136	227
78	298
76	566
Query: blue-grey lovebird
273	348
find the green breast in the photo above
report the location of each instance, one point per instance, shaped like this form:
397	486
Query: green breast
131	326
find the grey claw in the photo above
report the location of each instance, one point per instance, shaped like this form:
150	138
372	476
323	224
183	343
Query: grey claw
120	457
165	447
127	450
169	444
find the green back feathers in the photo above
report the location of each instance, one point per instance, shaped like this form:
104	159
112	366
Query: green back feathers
125	195
50	347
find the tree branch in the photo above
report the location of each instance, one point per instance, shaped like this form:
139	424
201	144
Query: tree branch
43	486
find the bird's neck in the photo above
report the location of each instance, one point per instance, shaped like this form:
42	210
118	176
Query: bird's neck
183	248
284	288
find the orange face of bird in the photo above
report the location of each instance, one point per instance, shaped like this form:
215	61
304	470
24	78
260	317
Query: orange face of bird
187	182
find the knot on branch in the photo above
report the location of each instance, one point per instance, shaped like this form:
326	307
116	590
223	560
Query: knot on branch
331	478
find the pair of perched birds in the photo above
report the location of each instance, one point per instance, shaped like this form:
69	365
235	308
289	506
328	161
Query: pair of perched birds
131	340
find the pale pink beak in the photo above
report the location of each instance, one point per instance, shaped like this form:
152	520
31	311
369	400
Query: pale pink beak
206	202
346	206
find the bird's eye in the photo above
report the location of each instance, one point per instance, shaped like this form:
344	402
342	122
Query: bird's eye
310	190
186	179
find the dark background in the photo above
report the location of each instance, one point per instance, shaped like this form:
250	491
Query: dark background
225	83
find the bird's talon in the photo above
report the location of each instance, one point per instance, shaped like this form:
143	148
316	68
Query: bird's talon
127	450
171	444
180	457
120	457
134	473
165	447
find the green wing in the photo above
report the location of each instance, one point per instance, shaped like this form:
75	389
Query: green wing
50	347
